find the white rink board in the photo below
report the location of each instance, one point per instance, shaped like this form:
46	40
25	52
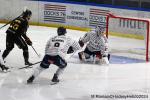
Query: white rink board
66	14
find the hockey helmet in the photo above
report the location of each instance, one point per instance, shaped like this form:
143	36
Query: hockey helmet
61	31
27	13
99	29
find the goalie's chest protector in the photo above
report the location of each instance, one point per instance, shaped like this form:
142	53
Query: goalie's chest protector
96	42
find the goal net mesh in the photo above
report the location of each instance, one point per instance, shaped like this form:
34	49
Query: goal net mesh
132	37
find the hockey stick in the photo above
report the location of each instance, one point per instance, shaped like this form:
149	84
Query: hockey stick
5	24
29	66
25	8
24	67
9	22
35	51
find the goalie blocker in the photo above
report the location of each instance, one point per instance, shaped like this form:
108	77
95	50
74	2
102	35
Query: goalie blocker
96	46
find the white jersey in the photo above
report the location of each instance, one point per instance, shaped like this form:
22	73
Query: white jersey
59	45
96	42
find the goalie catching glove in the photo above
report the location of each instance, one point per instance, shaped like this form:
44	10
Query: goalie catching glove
28	41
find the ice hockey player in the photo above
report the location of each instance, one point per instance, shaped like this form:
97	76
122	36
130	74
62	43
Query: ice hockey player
55	53
2	65
96	46
16	34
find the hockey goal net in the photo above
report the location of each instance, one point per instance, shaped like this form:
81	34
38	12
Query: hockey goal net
134	33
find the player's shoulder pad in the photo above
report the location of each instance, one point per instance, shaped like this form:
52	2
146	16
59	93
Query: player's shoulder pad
91	32
20	18
69	38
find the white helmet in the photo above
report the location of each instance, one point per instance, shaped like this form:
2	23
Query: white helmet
99	29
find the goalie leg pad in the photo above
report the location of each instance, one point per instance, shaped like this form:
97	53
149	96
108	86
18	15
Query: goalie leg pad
88	53
104	61
87	56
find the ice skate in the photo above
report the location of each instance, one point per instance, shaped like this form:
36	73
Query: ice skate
30	80
4	68
28	63
55	79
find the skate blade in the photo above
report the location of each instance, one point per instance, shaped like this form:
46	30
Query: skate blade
53	83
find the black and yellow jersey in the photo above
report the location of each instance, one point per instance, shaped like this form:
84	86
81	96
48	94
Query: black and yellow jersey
18	27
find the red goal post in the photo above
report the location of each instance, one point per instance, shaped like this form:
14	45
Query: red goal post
146	23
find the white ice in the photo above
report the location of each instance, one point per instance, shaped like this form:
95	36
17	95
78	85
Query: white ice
78	82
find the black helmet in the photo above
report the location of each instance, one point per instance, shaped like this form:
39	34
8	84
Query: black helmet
27	13
61	31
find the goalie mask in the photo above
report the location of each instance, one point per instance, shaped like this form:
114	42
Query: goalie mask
61	31
99	29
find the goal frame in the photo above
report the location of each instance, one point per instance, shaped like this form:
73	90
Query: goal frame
108	16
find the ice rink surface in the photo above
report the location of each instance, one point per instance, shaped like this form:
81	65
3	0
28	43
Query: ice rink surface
124	79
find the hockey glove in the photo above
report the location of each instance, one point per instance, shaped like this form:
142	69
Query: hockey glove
70	50
81	43
28	41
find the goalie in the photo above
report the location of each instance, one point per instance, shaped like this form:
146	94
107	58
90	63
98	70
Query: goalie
96	46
